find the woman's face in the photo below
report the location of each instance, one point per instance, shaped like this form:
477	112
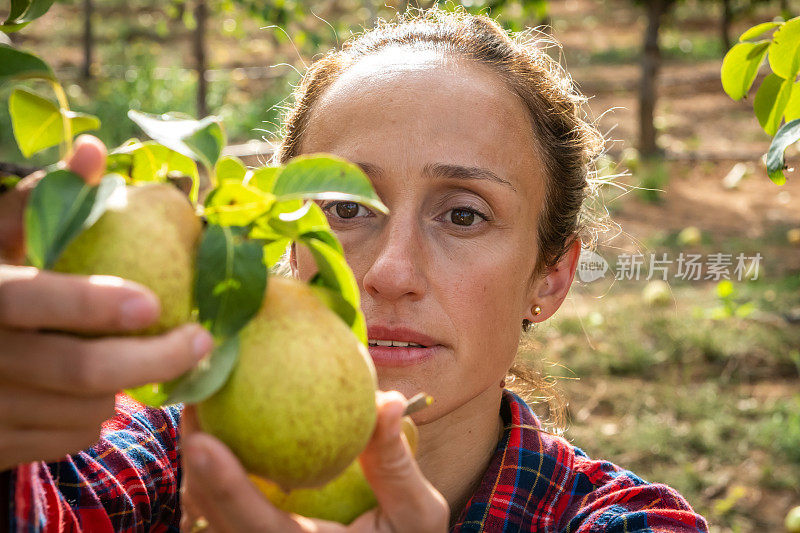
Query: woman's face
450	150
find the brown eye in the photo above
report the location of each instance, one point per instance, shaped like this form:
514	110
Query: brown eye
462	217
346	209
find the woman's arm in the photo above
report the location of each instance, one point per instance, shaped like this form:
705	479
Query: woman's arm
128	481
57	389
607	499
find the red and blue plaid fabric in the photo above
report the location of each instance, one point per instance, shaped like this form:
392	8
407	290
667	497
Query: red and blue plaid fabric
540	482
130	481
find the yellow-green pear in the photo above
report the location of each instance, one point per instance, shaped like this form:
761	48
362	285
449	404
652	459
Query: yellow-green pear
342	500
690	236
148	234
793	520
299	406
657	293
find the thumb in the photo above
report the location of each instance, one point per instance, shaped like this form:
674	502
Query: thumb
88	158
405	497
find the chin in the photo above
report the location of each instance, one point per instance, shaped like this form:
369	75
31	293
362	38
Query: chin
408	386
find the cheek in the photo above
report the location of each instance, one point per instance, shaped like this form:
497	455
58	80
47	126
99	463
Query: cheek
486	308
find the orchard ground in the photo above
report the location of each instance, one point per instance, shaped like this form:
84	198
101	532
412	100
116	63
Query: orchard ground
709	406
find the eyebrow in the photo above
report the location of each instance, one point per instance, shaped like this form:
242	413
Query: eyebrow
445	170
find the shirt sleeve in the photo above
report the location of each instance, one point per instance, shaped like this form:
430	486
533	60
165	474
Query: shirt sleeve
607	499
129	481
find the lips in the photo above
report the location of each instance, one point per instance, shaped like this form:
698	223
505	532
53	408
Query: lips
400	346
399	334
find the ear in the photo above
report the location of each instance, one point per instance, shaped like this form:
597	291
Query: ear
549	291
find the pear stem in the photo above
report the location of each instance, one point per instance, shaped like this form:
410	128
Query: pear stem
417	402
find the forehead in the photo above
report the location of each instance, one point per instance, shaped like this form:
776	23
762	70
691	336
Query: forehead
425	108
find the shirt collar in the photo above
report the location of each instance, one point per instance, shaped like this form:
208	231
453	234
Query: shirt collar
499	494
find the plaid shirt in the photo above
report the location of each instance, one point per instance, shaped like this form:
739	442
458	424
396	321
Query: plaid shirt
539	482
129	481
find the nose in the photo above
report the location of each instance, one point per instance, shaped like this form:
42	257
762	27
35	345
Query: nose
397	270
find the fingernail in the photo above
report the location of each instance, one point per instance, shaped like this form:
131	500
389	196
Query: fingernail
137	312
202	342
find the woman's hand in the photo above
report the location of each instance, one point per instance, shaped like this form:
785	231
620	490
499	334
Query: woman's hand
56	389
218	496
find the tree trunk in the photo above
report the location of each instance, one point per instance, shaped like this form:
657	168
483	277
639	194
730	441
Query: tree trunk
201	17
725	27
88	40
651	61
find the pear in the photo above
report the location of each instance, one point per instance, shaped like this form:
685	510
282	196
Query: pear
656	293
793	520
299	406
148	234
342	500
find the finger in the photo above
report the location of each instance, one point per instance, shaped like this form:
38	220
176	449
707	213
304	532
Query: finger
408	500
36	299
219	485
24	446
63	363
12	205
88	158
189	422
24	408
192	519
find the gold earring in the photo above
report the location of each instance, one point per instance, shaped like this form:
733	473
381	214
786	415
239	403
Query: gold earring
537	309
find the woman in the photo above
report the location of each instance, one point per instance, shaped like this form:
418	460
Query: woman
477	145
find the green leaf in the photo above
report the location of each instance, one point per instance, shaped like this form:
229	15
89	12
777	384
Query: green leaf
740	67
322	177
207	377
230	168
151	161
18	65
264	178
201	140
231	279
59	208
786	136
236	204
334	274
274	250
792	110
37	124
152	394
326	236
293	224
784	57
758	30
18	8
23	12
155	162
262	228
770	102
